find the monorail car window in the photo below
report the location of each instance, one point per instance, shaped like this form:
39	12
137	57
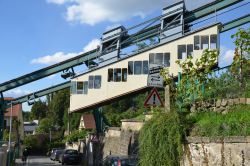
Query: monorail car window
151	58
73	87
197	42
213	41
124	74
182	54
145	67
85	87
110	75
190	50
204	42
158	58
91	82
130	67
97	82
137	67
166	61
117	75
79	87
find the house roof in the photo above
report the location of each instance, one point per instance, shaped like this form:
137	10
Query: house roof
88	121
15	109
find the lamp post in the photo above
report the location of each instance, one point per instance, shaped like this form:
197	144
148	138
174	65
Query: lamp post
11	110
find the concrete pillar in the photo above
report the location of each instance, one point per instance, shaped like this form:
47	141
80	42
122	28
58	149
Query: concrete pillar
167	98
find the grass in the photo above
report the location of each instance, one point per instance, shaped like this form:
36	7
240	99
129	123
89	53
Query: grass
212	124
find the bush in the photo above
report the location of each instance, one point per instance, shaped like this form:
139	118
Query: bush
75	135
160	140
212	124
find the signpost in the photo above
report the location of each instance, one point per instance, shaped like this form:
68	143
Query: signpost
153	99
154	77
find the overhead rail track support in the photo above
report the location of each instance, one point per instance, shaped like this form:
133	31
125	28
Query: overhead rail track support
36	75
235	23
40	93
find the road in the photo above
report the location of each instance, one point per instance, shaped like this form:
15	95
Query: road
37	161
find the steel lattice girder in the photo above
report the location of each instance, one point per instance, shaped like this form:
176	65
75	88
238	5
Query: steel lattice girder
145	34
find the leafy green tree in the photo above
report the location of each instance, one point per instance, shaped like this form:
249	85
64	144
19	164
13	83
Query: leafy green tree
59	105
45	125
38	110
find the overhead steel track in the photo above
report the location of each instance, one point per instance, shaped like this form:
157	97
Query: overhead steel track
142	35
225	27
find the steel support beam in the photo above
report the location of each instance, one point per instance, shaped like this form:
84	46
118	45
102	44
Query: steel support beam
40	93
145	34
235	23
25	79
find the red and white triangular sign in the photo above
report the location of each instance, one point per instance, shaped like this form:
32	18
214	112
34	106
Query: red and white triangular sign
153	99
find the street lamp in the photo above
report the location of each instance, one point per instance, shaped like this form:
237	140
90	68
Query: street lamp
11	110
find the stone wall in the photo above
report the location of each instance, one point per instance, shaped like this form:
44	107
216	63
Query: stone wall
220	105
230	151
123	145
133	125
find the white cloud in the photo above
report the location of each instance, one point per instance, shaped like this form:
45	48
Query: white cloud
17	92
61	56
92	45
94	11
51	59
226	56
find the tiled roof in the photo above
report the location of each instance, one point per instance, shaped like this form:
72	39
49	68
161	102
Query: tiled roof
88	120
15	109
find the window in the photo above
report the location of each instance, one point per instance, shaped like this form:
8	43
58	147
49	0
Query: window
117	75
151	58
97	82
79	86
213	41
124	75
182	52
204	42
190	50
137	67
158	58
91	82
130	67
166	59
73	87
110	75
197	42
85	87
145	67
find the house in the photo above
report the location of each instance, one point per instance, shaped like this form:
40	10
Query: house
17	121
87	122
30	127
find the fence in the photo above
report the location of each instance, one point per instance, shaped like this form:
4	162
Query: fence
7	155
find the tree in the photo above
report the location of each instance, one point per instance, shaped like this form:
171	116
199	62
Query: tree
59	106
38	110
45	125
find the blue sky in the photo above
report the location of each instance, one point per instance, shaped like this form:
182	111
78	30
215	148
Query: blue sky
38	33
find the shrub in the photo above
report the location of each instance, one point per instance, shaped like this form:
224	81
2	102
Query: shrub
75	135
160	140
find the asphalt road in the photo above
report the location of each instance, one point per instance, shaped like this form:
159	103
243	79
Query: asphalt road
37	161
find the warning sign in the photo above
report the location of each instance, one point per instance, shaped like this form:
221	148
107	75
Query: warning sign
153	99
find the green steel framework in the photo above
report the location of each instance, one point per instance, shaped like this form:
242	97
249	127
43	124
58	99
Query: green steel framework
89	56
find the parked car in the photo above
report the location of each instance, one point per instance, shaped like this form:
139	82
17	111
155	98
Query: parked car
69	156
113	160
56	154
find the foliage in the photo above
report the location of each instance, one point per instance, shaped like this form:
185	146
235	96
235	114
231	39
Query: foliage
59	105
37	144
26	116
195	75
75	135
45	125
160	140
38	110
211	124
